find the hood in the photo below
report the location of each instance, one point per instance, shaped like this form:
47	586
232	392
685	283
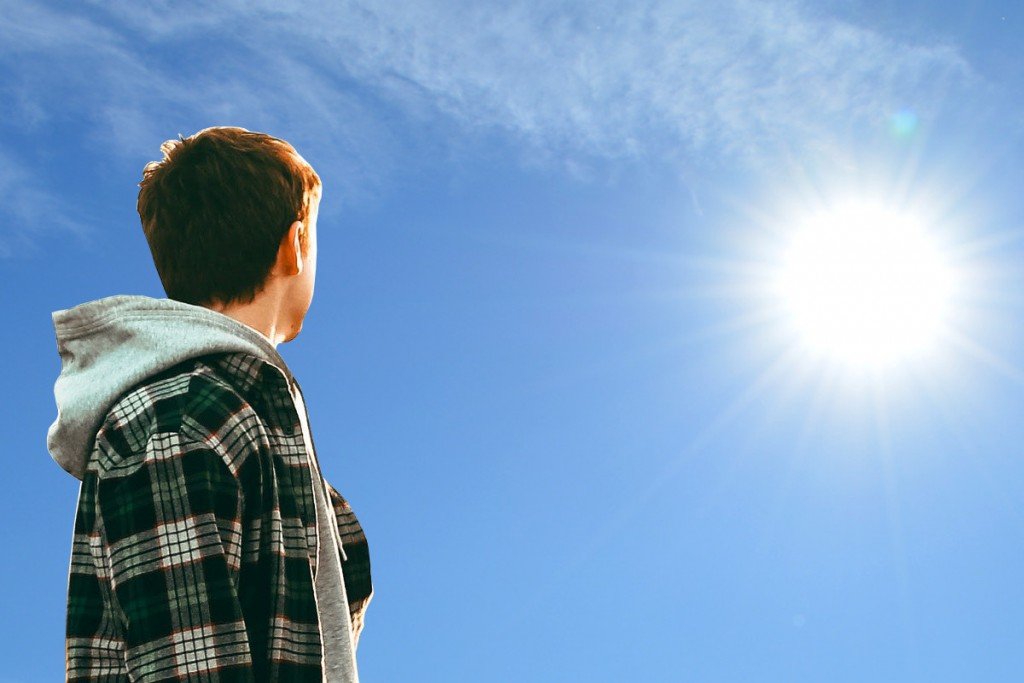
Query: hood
109	345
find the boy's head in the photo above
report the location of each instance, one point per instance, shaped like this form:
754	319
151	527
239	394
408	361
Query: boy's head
216	208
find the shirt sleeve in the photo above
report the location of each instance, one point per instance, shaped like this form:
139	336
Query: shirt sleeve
170	525
355	564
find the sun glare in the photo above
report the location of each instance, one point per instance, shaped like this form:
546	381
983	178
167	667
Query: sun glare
865	285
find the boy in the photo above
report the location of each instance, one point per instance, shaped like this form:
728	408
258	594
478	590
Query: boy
207	545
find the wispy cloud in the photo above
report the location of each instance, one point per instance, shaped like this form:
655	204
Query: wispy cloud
687	82
627	79
29	207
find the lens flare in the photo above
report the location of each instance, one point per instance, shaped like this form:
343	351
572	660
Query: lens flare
903	123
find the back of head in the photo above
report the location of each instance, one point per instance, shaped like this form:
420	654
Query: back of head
215	209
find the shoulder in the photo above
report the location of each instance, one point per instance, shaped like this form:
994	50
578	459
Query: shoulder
186	407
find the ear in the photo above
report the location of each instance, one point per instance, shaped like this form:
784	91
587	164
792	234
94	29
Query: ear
289	254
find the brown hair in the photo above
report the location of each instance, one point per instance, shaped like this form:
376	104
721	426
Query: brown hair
216	207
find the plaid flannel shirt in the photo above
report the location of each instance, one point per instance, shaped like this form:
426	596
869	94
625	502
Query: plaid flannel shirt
195	536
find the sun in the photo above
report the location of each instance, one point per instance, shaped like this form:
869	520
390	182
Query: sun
865	285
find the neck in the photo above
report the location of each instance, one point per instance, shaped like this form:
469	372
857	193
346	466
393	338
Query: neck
263	314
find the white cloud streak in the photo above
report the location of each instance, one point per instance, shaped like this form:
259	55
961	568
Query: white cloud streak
690	82
29	207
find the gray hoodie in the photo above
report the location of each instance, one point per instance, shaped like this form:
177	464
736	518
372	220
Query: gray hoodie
109	345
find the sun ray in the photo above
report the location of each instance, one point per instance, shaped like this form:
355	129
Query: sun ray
768	378
893	512
993	360
824	384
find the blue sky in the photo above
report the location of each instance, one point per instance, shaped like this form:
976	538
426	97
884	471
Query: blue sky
540	361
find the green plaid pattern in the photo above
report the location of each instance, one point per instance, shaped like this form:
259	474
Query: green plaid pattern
195	536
